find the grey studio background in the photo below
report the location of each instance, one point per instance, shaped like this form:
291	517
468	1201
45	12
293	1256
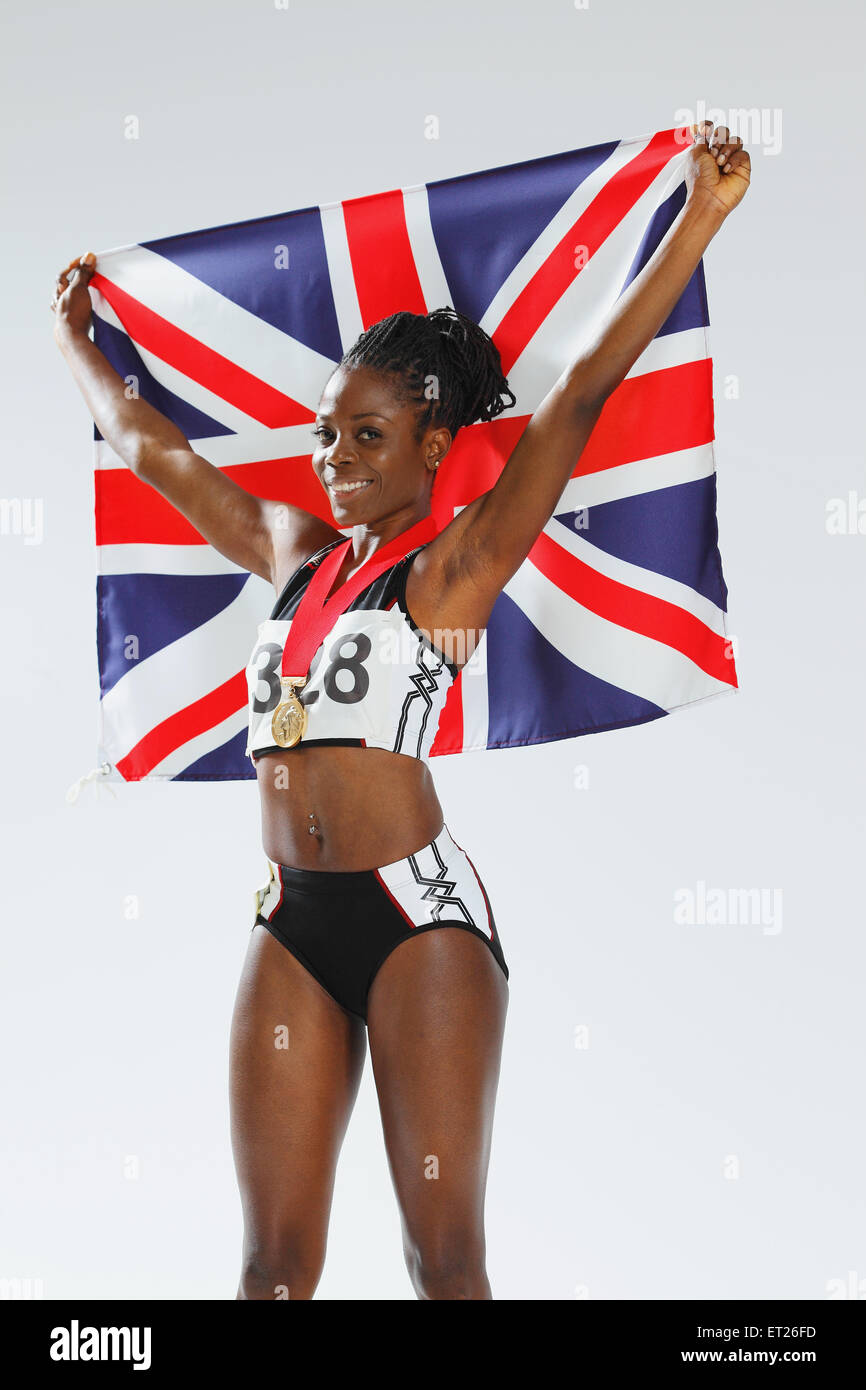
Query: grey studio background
679	1113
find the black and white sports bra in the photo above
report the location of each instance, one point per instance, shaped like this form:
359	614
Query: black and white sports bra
374	682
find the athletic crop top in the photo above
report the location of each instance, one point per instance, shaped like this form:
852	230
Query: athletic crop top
375	681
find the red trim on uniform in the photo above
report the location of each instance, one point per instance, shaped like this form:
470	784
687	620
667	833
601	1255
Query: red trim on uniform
387	890
480	885
273	914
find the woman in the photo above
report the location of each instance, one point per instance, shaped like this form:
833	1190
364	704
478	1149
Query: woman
340	728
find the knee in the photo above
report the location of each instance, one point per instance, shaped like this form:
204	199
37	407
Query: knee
452	1266
287	1265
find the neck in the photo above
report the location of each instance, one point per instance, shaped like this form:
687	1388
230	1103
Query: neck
369	536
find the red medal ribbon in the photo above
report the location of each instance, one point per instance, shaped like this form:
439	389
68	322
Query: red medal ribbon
314	619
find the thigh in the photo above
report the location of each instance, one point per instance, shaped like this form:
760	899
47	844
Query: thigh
436	1016
296	1060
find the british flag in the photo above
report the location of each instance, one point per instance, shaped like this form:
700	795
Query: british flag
617	615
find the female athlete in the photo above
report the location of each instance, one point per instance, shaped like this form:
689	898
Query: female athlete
361	861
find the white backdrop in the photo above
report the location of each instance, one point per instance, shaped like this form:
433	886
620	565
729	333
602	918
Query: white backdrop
680	1107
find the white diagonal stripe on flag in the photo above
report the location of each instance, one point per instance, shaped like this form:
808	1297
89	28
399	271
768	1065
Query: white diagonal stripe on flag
578	315
632	479
179	674
199	747
646	581
548	239
184	387
217	322
651	669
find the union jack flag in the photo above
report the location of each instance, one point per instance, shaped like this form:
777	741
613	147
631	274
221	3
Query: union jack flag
616	617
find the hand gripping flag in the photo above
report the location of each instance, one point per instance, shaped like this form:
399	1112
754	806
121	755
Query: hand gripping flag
617	615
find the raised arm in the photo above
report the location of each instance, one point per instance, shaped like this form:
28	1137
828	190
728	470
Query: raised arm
248	530
469	563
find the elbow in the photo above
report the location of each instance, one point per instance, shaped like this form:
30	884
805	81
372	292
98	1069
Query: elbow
134	461
130	449
589	401
144	458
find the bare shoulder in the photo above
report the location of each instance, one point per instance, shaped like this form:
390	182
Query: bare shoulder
296	536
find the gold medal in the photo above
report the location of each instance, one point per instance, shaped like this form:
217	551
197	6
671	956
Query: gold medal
289	723
316	615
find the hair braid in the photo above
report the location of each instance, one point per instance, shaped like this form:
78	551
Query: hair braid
441	361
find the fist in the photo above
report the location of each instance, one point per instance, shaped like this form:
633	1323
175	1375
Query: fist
718	169
71	300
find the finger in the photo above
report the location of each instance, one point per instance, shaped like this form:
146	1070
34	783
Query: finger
63	275
741	164
80	274
727	149
84	268
701	131
718	144
733	159
733	143
86	262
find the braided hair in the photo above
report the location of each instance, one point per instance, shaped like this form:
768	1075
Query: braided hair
441	362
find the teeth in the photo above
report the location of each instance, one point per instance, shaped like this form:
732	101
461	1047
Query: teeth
349	487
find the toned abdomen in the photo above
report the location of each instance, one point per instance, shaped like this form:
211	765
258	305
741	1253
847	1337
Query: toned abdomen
345	808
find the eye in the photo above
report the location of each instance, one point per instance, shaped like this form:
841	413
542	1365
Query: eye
321	430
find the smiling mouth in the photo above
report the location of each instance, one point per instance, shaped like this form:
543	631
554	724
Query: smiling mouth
343	489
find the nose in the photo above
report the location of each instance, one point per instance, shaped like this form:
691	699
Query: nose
338	456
